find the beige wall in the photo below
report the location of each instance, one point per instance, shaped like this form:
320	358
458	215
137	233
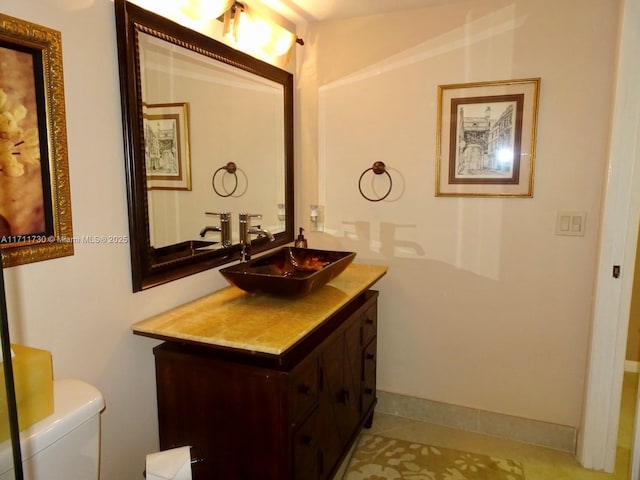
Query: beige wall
484	306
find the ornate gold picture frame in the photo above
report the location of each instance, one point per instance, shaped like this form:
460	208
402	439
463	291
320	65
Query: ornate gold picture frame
487	138
35	200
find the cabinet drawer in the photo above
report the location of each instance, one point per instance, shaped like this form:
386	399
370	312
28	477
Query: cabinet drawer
369	324
303	393
369	376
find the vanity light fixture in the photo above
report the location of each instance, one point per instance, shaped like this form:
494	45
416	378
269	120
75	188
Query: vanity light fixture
205	10
250	31
254	33
233	17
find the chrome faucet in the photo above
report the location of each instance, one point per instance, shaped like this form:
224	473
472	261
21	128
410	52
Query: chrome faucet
224	228
246	230
204	231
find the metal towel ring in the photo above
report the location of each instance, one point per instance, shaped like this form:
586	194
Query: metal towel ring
230	168
378	168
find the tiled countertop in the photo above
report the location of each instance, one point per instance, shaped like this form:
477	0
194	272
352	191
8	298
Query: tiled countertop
260	323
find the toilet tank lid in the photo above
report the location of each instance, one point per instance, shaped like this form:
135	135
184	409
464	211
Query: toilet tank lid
75	402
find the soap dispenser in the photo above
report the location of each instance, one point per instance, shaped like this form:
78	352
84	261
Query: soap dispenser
301	242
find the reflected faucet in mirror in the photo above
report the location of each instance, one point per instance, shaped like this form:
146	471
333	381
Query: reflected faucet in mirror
246	230
224	228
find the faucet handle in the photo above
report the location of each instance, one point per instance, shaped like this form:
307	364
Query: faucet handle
245	218
222	215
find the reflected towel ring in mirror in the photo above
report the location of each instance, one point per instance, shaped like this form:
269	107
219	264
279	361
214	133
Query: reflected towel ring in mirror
229	168
378	168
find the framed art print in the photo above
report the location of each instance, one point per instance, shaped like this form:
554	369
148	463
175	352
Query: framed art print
486	138
35	203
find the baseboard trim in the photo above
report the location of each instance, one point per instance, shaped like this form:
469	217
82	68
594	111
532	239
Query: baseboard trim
550	435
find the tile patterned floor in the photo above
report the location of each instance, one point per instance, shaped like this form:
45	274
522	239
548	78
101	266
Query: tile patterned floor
539	463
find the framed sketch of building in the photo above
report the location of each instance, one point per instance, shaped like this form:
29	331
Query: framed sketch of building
486	138
166	146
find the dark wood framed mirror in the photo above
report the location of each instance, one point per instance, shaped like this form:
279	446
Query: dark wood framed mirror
206	128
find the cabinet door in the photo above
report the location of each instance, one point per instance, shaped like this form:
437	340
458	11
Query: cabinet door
307	453
339	398
332	405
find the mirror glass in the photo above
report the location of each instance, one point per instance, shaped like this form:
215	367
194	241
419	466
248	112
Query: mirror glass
221	106
208	136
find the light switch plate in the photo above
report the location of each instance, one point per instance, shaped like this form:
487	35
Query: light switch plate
571	223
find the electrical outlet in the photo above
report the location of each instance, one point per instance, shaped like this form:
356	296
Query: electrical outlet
316	216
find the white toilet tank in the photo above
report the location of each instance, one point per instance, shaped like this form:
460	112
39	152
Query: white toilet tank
65	445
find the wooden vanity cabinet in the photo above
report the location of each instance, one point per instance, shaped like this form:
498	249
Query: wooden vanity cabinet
252	416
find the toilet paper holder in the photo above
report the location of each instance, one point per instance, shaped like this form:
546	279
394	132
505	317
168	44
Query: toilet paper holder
196	457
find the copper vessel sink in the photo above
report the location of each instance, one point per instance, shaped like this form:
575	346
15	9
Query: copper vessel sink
289	271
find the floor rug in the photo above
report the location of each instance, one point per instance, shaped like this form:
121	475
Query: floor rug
381	458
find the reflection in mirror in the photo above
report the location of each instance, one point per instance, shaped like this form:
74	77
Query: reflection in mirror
224	115
192	109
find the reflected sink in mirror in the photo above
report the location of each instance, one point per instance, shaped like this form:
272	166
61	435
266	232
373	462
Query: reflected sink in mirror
289	271
181	250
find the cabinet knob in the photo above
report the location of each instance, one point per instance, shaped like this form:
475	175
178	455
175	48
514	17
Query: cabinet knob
370	356
306	440
369	391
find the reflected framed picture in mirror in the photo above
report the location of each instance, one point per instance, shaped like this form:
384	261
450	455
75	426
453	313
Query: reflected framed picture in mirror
166	136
